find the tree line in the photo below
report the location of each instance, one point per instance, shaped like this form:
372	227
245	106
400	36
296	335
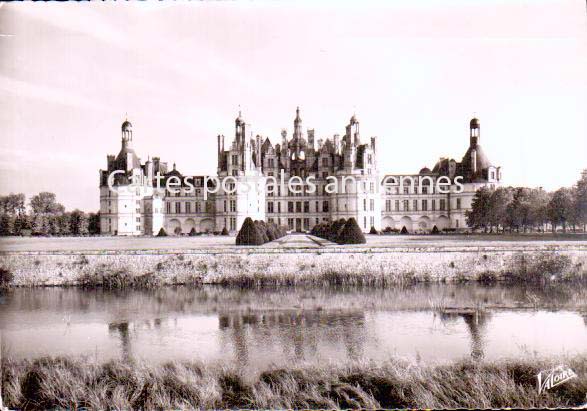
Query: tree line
524	209
44	216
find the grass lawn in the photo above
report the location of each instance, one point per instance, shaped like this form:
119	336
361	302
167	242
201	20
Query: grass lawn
226	242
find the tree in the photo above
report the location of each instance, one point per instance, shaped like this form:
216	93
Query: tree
94	223
500	198
12	203
538	205
45	202
7	223
560	208
479	215
162	233
78	223
40	224
518	210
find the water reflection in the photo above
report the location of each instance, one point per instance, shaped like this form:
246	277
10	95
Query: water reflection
255	328
476	321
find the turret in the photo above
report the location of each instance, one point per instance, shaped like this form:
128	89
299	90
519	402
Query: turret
126	133
474	131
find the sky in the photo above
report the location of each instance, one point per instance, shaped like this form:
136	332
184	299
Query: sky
414	73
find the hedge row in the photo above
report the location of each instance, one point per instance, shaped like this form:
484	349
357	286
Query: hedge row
258	232
340	231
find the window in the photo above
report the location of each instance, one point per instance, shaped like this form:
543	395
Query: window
290	222
372	219
298	206
270	207
269	191
365	222
270	163
317	206
372	205
433	205
458	203
387	205
424	190
325	206
306	206
235	159
168	208
188	207
325	162
198	207
290	207
406	190
225	209
364	204
369	159
396	205
406	205
232	206
306	223
372	187
415	205
233	223
424	205
177	208
138	219
279	208
442	205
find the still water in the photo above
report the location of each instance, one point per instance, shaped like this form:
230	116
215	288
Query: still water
256	328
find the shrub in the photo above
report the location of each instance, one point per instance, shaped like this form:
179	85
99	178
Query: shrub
193	232
373	231
224	231
162	233
335	229
351	233
249	234
262	229
404	230
435	230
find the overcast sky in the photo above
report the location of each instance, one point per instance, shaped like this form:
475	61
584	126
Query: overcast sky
413	72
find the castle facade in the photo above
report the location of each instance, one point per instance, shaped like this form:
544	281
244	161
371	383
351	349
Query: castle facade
335	177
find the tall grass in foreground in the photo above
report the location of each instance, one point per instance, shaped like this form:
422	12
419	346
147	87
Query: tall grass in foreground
66	383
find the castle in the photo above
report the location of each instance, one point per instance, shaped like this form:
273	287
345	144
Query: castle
249	183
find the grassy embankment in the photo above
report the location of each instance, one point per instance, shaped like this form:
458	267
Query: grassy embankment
64	383
337	266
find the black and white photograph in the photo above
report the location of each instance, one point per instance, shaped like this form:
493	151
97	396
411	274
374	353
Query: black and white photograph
293	205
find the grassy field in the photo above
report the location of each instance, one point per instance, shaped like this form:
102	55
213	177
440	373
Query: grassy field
66	383
46	244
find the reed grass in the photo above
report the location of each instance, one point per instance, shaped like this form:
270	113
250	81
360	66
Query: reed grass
68	383
258	269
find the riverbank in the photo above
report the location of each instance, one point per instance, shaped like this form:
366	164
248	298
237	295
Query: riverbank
67	383
263	266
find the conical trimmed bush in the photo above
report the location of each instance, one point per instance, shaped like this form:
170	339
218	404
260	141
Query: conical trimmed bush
351	233
249	234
